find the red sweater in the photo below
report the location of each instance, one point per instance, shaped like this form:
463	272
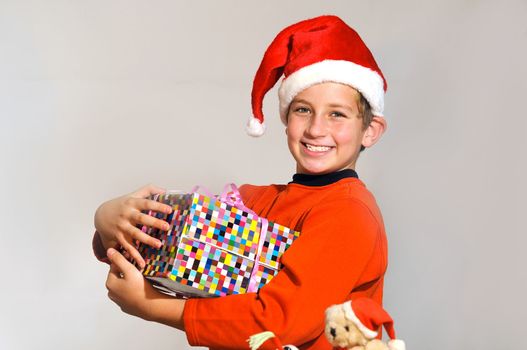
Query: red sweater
341	254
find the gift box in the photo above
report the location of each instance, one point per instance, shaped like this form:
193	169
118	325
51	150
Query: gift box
215	246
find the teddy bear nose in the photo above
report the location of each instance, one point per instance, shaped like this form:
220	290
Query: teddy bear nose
333	332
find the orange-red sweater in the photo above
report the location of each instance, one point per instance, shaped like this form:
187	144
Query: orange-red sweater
341	254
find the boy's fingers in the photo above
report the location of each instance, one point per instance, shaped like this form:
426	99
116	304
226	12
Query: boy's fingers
131	249
114	269
115	273
148	204
142	237
120	262
150	221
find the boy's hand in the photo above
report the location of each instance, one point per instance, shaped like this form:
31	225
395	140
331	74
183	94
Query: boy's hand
116	220
128	288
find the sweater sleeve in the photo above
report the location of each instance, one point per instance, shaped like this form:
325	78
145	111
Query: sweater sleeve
338	246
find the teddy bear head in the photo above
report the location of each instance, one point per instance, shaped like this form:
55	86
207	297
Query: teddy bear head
340	331
356	325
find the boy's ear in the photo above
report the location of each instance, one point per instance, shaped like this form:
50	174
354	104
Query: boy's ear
374	131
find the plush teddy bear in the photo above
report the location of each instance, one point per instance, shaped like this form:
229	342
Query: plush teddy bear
354	325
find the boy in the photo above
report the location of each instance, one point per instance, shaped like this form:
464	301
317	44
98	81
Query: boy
331	101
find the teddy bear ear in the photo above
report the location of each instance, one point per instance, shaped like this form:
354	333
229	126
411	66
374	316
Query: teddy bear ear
333	309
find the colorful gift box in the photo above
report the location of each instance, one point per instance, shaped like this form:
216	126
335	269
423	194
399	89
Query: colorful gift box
215	246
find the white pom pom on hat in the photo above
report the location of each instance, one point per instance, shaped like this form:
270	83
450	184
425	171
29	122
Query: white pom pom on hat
255	127
317	50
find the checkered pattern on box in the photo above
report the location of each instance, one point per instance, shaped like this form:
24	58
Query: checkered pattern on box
212	245
210	269
264	274
277	240
224	226
159	262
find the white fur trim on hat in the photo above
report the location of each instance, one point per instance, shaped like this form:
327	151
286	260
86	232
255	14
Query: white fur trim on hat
350	315
396	344
254	127
367	81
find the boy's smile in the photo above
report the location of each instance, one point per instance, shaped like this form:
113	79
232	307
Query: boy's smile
324	128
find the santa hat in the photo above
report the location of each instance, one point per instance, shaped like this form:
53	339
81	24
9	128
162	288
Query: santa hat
369	317
321	49
257	340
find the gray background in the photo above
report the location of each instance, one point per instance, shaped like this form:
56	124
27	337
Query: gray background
98	98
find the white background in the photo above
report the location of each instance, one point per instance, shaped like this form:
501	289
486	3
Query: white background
98	98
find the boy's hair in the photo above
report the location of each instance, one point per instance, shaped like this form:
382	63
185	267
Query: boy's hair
366	114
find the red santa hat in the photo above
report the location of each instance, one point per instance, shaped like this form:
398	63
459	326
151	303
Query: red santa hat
257	341
317	50
369	317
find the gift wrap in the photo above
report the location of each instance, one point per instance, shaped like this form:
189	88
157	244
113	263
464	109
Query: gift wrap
215	246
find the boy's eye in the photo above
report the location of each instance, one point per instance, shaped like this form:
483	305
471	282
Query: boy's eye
301	110
337	114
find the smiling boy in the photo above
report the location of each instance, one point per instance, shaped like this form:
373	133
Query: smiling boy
331	101
325	128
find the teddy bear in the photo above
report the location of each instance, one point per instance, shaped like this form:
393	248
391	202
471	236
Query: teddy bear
354	325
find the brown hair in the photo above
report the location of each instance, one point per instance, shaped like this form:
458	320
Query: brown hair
365	112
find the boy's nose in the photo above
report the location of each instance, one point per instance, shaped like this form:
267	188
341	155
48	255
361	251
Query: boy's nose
317	126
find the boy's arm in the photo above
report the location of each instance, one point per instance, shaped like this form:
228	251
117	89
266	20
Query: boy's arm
337	251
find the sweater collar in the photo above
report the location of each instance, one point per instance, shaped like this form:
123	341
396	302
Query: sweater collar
324	179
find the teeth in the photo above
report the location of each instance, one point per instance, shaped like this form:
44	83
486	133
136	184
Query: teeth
317	148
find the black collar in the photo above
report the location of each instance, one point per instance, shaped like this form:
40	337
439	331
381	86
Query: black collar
324	179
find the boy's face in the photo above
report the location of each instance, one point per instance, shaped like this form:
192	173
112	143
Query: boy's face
324	130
